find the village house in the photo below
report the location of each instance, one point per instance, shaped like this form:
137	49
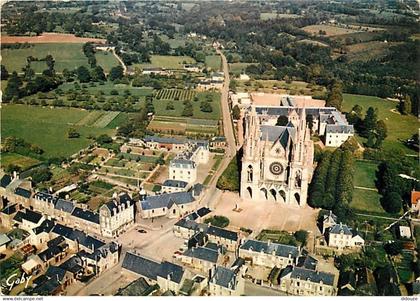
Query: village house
15	190
4	240
86	220
341	236
201	258
171	186
192	68
53	282
188	227
228	281
269	254
305	282
117	215
167	275
28	219
101	259
328	220
171	205
155	71
57	249
218	142
8	213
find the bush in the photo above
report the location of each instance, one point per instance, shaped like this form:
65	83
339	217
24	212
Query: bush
229	180
301	236
218	221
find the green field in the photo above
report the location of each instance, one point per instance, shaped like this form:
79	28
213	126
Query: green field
107	87
168	61
106	60
22	161
184	126
214	62
399	126
161	105
238	68
175	94
366	200
365	174
47	128
66	56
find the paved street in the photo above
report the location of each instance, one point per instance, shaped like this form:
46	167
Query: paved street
252	289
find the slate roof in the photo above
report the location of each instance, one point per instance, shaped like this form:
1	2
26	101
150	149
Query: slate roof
174	271
46	226
5	181
197	189
339	129
203	211
50	281
224	277
64	205
87	215
307	262
312	276
163	140
23	192
73	235
101	252
151	269
203	254
9	209
164	200
55	247
175	183
141	265
29	215
46	197
274	133
270	248
182	163
220	232
338	228
73	265
139	287
123	199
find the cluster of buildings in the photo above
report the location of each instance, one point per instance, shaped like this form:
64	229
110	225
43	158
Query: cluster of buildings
214	82
327	122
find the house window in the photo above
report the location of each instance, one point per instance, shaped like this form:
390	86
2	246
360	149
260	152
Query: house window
153	211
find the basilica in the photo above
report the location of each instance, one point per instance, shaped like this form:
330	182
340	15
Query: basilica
277	163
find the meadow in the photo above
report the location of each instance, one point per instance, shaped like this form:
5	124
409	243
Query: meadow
106	60
400	127
167	61
367	51
329	30
214	62
47	128
161	105
66	56
184	126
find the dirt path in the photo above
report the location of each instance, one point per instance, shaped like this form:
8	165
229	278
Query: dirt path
366	188
120	60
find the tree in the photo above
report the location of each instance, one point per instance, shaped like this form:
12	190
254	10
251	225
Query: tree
206	107
170	106
41	174
405	105
4	73
98	74
381	133
83	74
370	121
236	112
116	72
103	139
301	236
391	202
72	133
13	89
188	110
335	96
394	248
282	120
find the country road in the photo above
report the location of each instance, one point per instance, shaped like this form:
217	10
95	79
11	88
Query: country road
212	192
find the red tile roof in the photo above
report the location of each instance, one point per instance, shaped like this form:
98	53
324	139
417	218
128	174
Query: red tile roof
415	197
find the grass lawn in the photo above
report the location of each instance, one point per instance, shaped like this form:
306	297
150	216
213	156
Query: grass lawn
17	159
399	126
107	87
106	60
277	236
168	61
66	55
160	107
365	174
329	30
279	86
238	68
47	128
214	62
366	200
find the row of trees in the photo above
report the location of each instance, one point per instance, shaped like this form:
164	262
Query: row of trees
332	184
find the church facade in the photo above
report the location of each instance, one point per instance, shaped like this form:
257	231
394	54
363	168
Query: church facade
277	163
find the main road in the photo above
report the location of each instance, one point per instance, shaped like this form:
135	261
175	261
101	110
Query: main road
212	192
